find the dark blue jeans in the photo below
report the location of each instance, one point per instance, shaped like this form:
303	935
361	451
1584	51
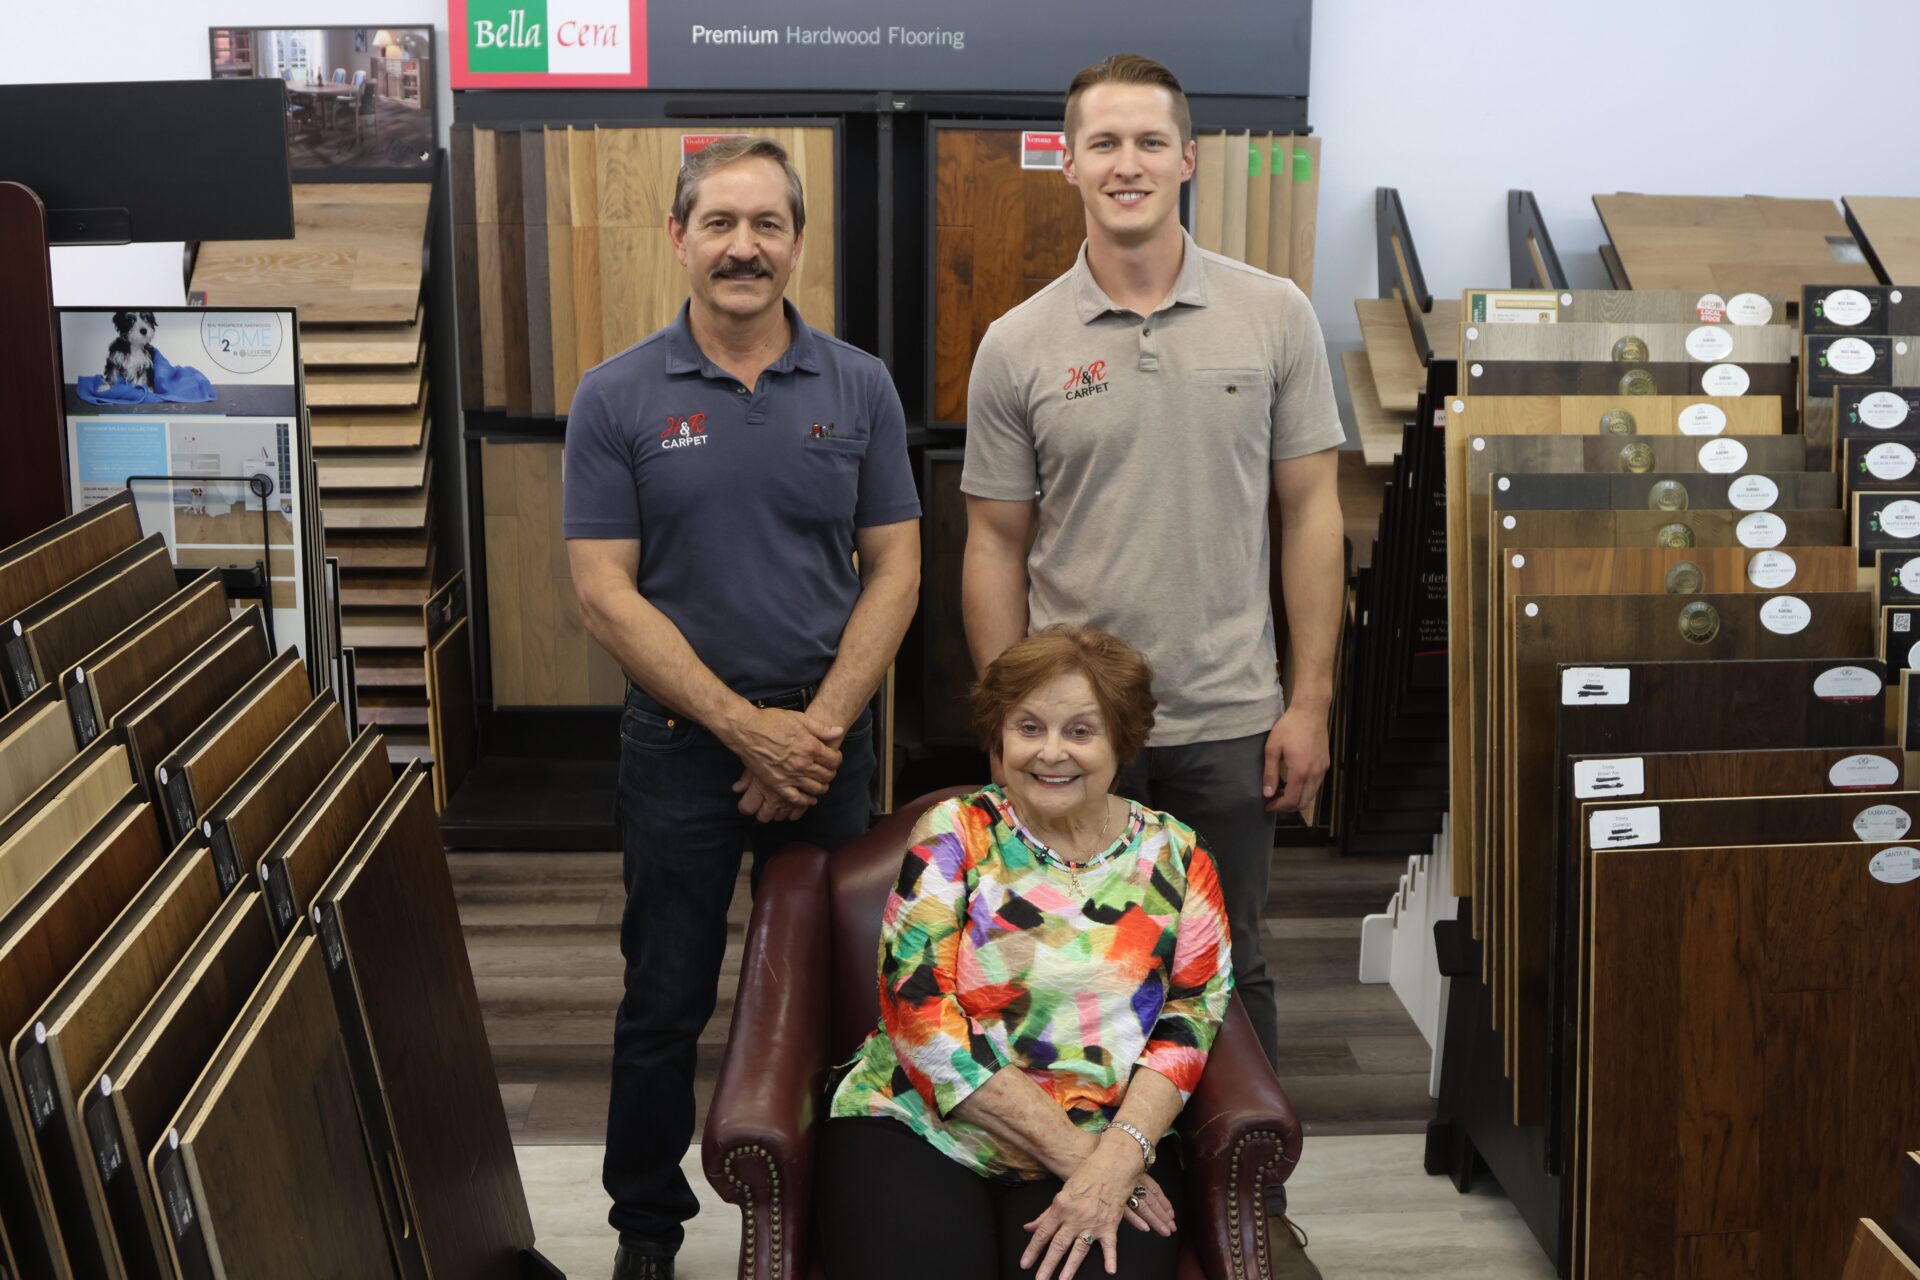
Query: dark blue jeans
681	836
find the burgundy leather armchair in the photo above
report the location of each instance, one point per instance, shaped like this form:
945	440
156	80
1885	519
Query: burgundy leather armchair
809	993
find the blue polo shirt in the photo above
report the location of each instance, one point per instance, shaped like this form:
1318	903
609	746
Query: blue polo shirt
744	499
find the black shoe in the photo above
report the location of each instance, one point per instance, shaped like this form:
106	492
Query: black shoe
631	1264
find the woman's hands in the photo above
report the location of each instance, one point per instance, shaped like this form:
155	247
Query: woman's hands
1089	1208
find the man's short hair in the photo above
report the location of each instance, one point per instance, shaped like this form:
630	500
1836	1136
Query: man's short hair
1129	68
1121	679
726	151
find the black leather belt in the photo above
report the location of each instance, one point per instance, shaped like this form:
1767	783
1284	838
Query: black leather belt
791	700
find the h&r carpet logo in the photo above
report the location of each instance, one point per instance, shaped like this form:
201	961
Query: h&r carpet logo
552	37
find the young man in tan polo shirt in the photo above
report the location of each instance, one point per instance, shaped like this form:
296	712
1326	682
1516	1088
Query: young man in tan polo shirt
1138	409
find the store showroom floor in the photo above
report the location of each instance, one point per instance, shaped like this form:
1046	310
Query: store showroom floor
542	931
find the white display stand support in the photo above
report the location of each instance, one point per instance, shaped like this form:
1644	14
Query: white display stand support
1396	946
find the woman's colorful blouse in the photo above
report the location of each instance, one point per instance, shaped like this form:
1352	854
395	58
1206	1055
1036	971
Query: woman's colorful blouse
989	957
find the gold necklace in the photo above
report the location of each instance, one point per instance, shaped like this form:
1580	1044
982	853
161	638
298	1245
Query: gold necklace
1073	868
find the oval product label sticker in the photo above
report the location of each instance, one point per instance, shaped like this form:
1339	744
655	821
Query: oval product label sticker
1710	343
1624	828
1749	308
1864	773
1846	684
1753	493
1901	519
1722	457
1882	822
1846	307
1850	355
1889	462
1712	308
1907	576
1761	530
1785	615
1913	656
1771	570
1702	420
1883	409
1725	380
1595	687
1603	778
1899	865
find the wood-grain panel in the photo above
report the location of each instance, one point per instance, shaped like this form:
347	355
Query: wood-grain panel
451	728
40	831
1728	243
160	719
386	469
242	823
1604	377
1631	345
360	551
1891	227
151	1070
558	151
1233	230
488	268
264	1131
362	510
1903	1226
1798	491
1259	200
103	682
999	233
370	428
69	1038
200	770
1210	192
1380	431
1489	456
36	741
364	345
539	293
39	565
583	199
1713	1094
1306	209
466	263
1280	194
40	943
316	836
1642	306
407	968
1874	1256
363	388
1750	415
59	628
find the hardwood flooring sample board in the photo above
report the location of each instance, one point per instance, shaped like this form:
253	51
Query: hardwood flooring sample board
101	683
1729	243
1000	234
44	826
402	469
1874	1256
1633	344
1489	456
533	209
128	1104
241	824
1280	218
270	1157
1904	1223
1891	226
355	257
1380	431
466	263
1306	209
510	290
383	346
160	719
583	202
1595	631
370	428
363	388
1651	491
1259	199
1627	306
1619	415
68	1040
318	834
405	978
40	565
36	740
1233	232
452	728
1398	376
364	551
558	177
1210	192
487	161
41	939
1728	1102
1605	377
201	768
54	631
360	510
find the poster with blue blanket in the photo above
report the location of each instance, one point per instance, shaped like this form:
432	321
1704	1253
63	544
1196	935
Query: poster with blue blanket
198	411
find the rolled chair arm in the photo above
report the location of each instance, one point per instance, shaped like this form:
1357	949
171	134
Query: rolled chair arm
758	1144
1241	1136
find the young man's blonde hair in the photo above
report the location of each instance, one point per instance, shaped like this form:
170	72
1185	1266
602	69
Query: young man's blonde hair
1129	68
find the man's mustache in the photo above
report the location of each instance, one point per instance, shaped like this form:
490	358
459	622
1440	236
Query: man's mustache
752	268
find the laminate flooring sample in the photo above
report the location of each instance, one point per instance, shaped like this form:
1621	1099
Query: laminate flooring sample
509	292
355	257
366	388
392	911
1891	228
452	727
242	823
1606	377
1653	491
1380	431
56	630
1874	1256
1745	1001
370	428
361	346
539	293
1210	192
1730	243
387	469
40	830
1259	200
360	550
1629	306
1000	234
201	768
39	565
1280	197
1632	344
466	263
41	939
127	1106
583	204
362	510
36	740
318	834
271	1154
1233	234
1489	456
1398	374
161	718
1306	209
557	151
103	682
1619	415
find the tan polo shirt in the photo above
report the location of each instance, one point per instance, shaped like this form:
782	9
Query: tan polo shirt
1148	444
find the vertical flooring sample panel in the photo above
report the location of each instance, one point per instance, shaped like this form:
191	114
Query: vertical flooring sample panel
36	742
1306	209
1259	199
1210	191
466	265
42	564
512	286
642	283
583	190
533	196
1233	232
201	769
49	635
1745	1002
542	655
486	216
558	151
1280	195
452	729
242	823
1000	234
394	913
318	834
110	677
270	1148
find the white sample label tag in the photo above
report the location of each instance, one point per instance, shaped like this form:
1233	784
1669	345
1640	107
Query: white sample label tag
1895	866
1846	684
1864	773
1785	615
1771	570
1850	355
1761	530
1749	308
1901	519
1709	342
1753	493
1882	822
1846	307
1712	308
1883	409
1889	462
1725	380
1595	687
1722	457
1913	656
1907	577
1702	420
1624	828
1603	778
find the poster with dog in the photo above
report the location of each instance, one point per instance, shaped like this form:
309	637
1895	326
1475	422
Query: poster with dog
198	411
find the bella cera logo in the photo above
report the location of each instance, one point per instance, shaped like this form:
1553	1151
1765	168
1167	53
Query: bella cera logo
552	37
515	33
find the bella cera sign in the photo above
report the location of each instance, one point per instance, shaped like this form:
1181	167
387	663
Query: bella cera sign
560	44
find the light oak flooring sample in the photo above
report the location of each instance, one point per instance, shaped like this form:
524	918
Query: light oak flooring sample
362	346
558	152
1380	432
1280	197
36	741
1891	225
367	469
357	510
116	673
1306	209
583	205
1233	232
1259	199
1399	376
40	831
1210	192
370	428
361	388
1729	244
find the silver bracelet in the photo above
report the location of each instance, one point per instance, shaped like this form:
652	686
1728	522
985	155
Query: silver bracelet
1146	1148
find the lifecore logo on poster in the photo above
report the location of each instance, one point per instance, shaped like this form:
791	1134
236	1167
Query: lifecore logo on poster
550	37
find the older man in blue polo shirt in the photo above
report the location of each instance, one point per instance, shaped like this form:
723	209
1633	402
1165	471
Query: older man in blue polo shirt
720	477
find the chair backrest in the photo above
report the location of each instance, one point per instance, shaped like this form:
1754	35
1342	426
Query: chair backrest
359	78
339	75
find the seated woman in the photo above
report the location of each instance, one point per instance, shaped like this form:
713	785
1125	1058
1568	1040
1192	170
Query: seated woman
1053	970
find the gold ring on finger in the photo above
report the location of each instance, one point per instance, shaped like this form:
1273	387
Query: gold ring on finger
1133	1202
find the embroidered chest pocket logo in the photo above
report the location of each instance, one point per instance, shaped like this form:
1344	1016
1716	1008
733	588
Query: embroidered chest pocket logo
1086	380
684	433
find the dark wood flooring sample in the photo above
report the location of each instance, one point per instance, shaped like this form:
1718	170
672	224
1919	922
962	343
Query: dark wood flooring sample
1600	378
315	838
243	822
1000	234
451	725
110	677
1495	455
466	265
1655	492
40	565
161	718
199	771
513	271
52	633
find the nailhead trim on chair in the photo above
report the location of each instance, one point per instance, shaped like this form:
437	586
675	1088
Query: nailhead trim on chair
1263	1266
746	1191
